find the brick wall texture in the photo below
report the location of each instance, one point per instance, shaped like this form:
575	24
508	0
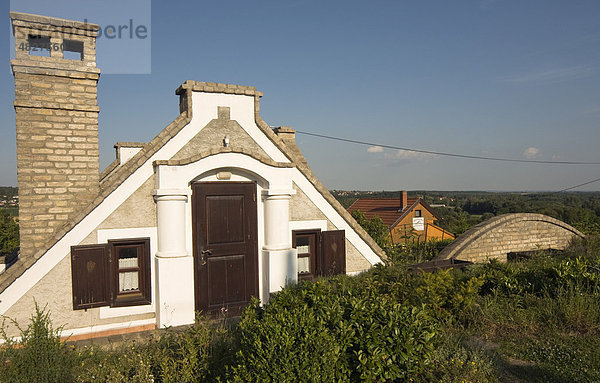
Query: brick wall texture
57	129
508	233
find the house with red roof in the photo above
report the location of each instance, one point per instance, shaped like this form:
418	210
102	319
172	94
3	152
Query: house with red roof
409	219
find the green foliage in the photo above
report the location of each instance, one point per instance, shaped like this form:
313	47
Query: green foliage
8	191
198	353
456	362
9	233
544	311
39	355
387	324
333	331
124	365
415	252
447	294
455	220
465	209
540	277
375	227
182	356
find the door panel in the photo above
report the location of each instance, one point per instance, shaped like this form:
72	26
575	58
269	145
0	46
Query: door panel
226	215
225	245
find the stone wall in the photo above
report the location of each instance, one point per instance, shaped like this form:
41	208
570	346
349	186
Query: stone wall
57	126
508	233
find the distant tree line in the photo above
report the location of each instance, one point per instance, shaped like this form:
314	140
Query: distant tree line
9	233
462	210
9	191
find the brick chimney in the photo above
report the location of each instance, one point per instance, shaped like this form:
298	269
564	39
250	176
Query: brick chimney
57	123
403	200
286	133
288	137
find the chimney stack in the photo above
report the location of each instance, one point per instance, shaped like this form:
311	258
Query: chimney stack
403	200
57	123
286	133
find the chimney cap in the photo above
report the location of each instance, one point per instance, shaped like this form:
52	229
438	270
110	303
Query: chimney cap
54	21
284	129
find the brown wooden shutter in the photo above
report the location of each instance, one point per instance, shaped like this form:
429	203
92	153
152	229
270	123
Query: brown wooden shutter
334	252
89	272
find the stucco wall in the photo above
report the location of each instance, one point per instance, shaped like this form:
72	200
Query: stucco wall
139	210
55	290
302	208
212	135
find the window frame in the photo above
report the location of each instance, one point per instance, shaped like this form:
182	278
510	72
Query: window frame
418	213
314	254
143	295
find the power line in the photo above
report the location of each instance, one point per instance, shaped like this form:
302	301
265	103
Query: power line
576	186
448	154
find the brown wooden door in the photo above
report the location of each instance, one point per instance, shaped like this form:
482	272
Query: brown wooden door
225	245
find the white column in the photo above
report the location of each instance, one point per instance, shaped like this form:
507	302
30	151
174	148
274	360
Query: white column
174	266
282	259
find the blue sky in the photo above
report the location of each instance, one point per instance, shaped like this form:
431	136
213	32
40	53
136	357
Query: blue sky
494	78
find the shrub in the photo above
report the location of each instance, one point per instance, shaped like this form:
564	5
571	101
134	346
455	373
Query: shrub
182	356
332	331
175	356
415	252
124	365
38	356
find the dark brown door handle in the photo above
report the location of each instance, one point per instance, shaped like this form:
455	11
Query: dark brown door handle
203	255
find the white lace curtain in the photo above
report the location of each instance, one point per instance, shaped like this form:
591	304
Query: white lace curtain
129	281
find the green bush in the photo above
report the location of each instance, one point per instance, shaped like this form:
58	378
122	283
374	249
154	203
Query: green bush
195	354
38	356
124	365
415	252
333	331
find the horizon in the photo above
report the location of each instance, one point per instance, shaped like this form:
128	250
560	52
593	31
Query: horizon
482	77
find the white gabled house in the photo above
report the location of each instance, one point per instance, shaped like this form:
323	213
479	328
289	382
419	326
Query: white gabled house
217	208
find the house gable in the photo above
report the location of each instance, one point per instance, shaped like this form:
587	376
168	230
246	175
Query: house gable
182	143
215	133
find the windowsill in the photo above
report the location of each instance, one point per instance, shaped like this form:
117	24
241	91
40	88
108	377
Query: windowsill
114	312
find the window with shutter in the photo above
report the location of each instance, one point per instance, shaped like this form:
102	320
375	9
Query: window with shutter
320	253
114	274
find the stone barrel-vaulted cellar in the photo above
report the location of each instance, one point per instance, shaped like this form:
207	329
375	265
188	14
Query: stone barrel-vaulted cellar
510	233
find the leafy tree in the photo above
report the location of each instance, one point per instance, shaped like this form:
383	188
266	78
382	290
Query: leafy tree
9	233
375	227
